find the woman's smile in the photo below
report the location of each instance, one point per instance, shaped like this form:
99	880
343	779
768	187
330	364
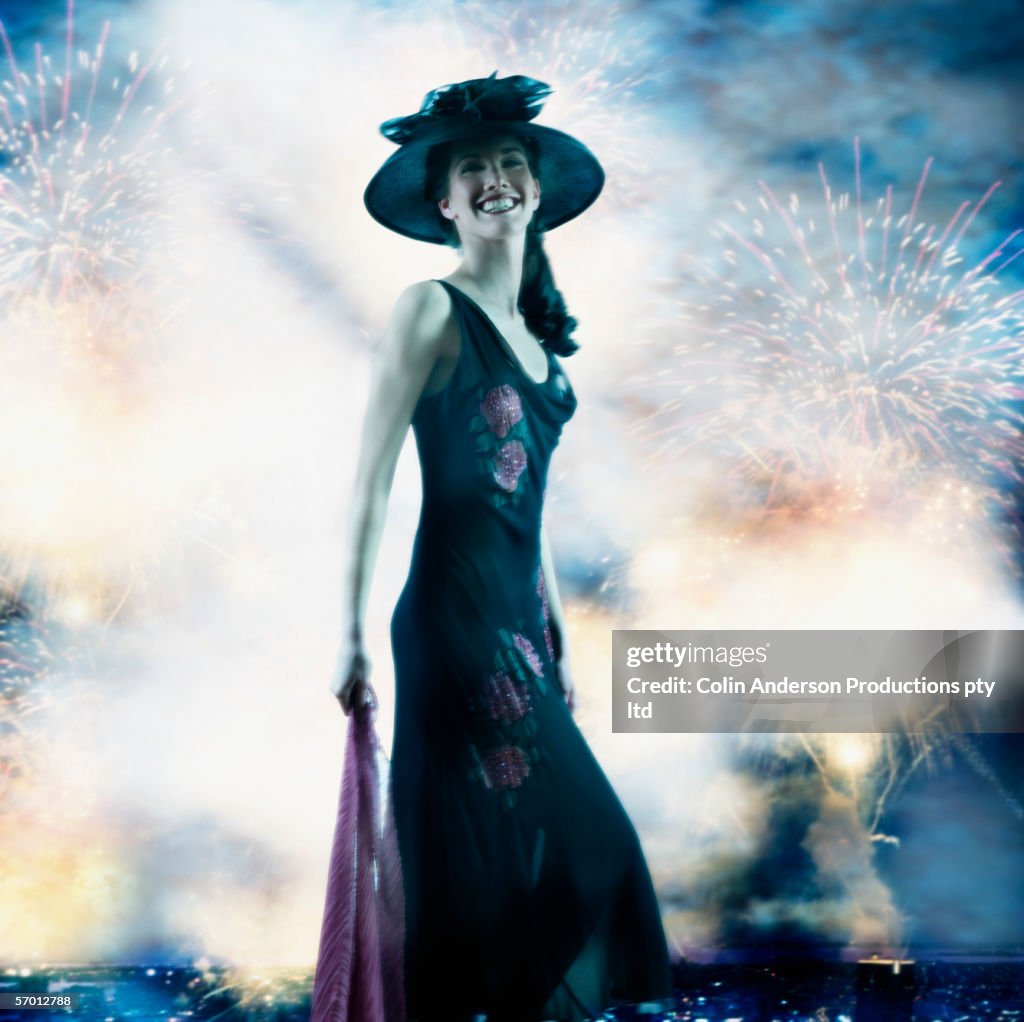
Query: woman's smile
498	204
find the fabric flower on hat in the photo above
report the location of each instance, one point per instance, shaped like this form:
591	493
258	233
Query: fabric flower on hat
515	98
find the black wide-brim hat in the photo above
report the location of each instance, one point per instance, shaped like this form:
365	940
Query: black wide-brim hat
570	175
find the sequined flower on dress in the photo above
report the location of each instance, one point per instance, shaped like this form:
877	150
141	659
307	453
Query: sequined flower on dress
502	409
502	442
502	716
526	647
545	615
509	463
505	768
505	698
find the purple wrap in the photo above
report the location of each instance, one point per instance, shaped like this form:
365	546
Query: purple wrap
359	969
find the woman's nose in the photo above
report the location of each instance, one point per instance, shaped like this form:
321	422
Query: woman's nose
495	175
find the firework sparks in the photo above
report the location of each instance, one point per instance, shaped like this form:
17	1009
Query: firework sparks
27	662
94	271
852	351
597	63
79	195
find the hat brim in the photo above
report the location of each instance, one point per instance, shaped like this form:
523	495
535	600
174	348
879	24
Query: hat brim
571	179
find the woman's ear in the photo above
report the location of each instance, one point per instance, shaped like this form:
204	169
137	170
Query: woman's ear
445	206
536	193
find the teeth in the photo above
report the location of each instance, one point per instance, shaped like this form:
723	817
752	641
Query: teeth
498	205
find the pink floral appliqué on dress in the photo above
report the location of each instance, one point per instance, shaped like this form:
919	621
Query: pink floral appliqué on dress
503	721
502	409
542	592
505	698
505	768
526	647
509	463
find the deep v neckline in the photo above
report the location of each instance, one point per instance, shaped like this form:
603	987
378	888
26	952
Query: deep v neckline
507	348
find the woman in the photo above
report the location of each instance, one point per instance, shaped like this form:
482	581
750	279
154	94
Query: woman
526	893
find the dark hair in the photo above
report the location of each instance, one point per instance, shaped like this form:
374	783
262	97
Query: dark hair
540	301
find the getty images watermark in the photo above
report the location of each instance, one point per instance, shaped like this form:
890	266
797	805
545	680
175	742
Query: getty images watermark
817	681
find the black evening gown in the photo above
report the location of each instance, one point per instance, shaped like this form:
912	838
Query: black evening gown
527	896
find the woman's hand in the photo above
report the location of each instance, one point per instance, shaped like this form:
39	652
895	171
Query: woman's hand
351	680
565	680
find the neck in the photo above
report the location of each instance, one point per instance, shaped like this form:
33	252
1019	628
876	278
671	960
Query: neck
495	270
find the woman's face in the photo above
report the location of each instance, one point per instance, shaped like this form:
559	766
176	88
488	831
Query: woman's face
491	191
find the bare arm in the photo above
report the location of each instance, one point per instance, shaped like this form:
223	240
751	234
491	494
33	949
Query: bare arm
419	331
556	620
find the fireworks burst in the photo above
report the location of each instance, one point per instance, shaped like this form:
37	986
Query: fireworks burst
79	194
854	352
598	65
93	271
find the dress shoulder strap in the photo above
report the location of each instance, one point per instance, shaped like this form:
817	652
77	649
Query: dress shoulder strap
471	326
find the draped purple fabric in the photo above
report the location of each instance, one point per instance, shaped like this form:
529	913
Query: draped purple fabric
359	969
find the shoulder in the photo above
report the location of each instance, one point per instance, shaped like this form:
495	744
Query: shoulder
425	304
424	316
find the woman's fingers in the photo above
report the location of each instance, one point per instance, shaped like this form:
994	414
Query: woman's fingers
359	694
351	692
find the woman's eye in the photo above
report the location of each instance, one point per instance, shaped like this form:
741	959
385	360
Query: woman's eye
469	168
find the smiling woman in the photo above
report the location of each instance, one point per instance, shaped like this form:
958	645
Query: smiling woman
485	178
526	894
